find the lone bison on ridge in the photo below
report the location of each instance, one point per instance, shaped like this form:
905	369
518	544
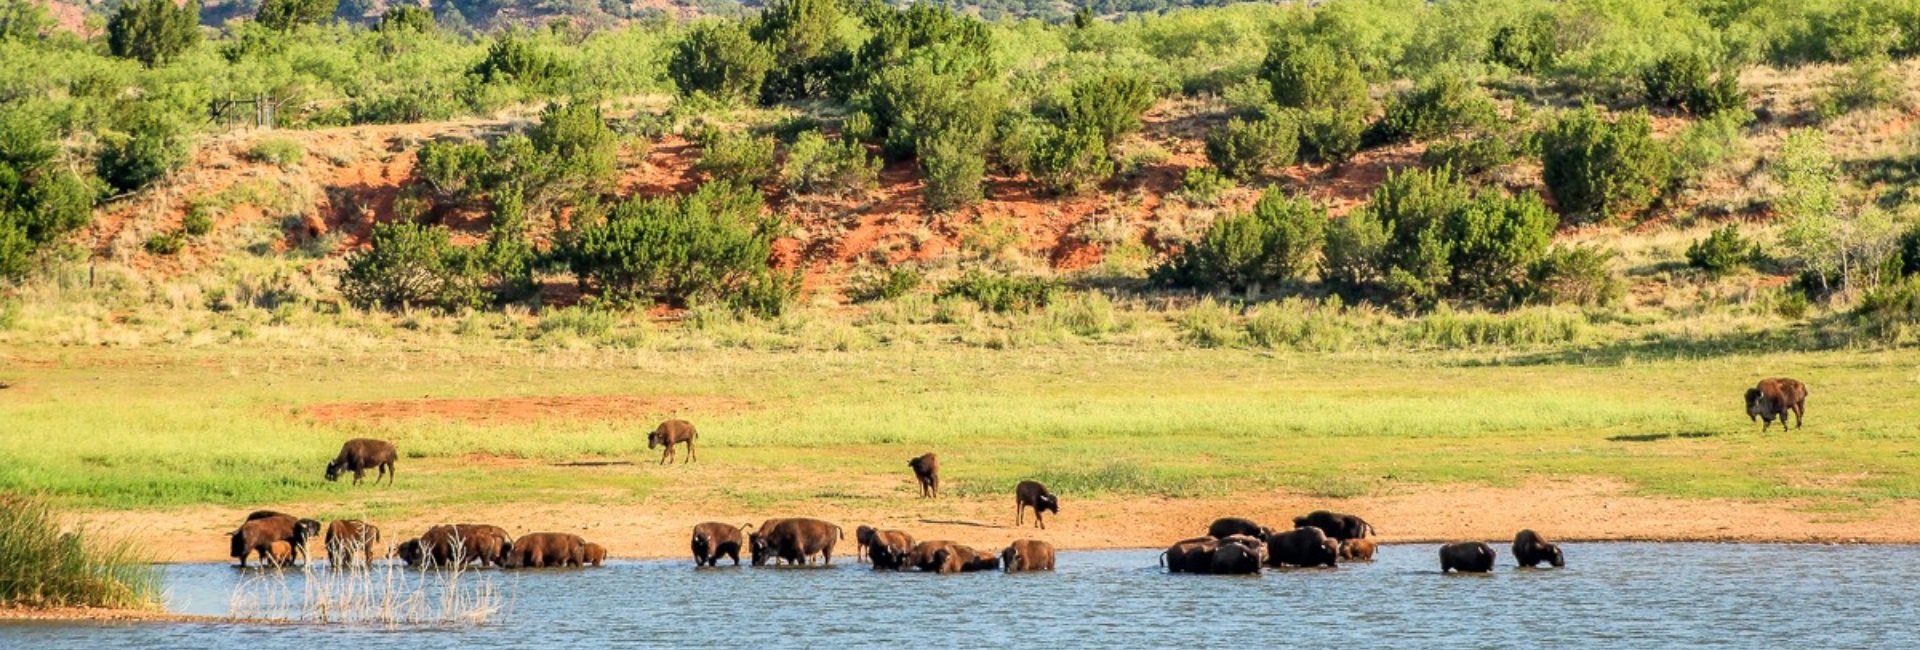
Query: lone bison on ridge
1775	398
362	454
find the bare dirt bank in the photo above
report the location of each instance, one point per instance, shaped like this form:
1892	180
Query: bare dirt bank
1574	510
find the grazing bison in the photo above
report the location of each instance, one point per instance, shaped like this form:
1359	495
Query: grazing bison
713	539
1530	549
543	550
795	541
447	545
1335	525
1027	555
410	552
362	454
927	469
670	433
1775	398
1226	526
887	549
1466	557
1303	547
257	536
1031	494
1357	549
350	541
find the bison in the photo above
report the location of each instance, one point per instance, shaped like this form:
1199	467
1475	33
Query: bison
257	536
886	549
596	554
1303	547
1031	494
1335	525
448	545
361	454
1357	549
795	541
926	468
1230	558
1530	549
670	433
922	555
1226	526
1466	557
1027	555
1190	555
350	541
713	539
1775	398
544	550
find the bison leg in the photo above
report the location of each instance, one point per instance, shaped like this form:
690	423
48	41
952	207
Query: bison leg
1038	521
691	455
1799	412
358	474
1020	512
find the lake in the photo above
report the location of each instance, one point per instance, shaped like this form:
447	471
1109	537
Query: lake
1611	595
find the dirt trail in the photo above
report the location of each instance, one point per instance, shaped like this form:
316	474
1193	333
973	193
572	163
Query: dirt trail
1577	510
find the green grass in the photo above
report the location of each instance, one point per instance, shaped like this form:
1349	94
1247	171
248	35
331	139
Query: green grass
225	427
41	566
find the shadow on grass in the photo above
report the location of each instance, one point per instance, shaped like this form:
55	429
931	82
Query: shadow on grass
1656	437
593	463
1824	334
957	522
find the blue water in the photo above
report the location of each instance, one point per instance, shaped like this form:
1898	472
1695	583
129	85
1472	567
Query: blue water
1610	596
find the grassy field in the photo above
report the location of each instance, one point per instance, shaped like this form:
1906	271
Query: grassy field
236	426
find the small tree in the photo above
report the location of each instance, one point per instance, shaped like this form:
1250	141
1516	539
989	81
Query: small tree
408	18
153	32
1685	81
1597	169
1439	107
1108	106
22	20
576	148
721	60
1068	162
408	265
1276	242
153	144
954	167
740	157
1839	243
816	165
513	60
1309	74
285	15
1722	252
708	243
1248	150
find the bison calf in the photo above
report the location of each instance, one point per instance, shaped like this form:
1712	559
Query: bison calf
926	468
1027	555
1031	494
1357	549
1530	549
361	454
596	554
670	433
713	539
1466	557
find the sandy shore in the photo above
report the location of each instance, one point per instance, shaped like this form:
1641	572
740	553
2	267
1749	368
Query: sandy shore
1574	510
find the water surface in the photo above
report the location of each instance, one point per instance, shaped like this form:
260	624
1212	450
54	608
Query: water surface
1611	595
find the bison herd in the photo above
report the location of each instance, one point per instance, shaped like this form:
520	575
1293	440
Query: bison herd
280	539
1239	546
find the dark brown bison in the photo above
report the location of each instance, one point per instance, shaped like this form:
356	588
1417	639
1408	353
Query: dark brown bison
546	550
596	554
927	469
1357	549
1335	525
263	514
950	559
1230	558
795	541
1190	555
447	545
982	561
1027	555
713	539
257	536
1466	557
922	555
1303	547
885	549
1031	494
362	454
1226	526
670	433
1530	549
350	541
1775	398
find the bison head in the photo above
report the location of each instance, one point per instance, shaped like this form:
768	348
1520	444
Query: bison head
1049	503
759	547
1753	403
333	470
1008	556
655	439
1558	561
864	535
306	528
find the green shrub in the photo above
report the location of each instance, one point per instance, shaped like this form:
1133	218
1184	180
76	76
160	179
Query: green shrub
407	18
1908	250
1204	185
198	221
1862	85
1440	106
808	53
721	60
45	563
1528	46
1276	242
1598	169
816	165
455	168
766	293
166	242
1890	313
953	168
1108	106
1575	276
153	32
740	157
1068	162
1210	324
1003	294
672	249
1245	151
1313	75
513	60
1494	239
1722	252
1426	234
23	20
890	284
858	127
1684	80
153	144
1332	135
924	98
1354	256
279	152
40	201
576	149
284	15
408	265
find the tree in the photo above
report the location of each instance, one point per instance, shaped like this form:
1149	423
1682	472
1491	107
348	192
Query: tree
285	15
407	18
1839	243
409	265
153	32
1275	242
1108	106
1598	169
22	20
40	201
1248	150
801	36
708	243
721	60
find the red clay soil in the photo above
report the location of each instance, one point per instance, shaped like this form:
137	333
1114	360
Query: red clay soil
502	410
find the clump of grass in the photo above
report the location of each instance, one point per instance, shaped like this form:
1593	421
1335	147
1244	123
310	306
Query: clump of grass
1116	477
389	596
279	152
581	322
40	566
1210	324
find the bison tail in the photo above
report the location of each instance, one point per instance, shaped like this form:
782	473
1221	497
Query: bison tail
842	532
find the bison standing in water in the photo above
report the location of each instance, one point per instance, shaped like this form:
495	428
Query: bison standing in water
350	541
1530	549
1031	494
795	541
712	540
1303	547
1776	398
670	433
447	545
1027	555
259	533
1335	525
544	550
1466	557
1228	526
362	454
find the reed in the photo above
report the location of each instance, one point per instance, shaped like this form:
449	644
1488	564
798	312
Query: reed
43	566
385	595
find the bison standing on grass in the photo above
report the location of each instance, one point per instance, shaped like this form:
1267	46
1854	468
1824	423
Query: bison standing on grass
1775	398
1031	494
361	454
926	468
670	433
